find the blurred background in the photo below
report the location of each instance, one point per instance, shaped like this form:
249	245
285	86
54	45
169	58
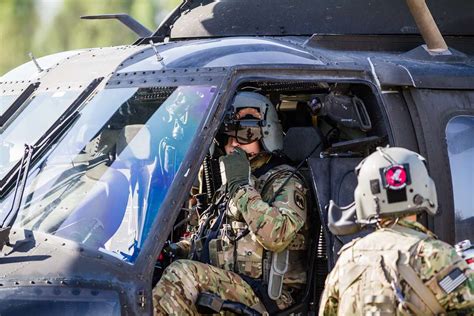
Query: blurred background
44	27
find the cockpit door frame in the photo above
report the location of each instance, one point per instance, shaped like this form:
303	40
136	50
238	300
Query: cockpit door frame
184	178
244	74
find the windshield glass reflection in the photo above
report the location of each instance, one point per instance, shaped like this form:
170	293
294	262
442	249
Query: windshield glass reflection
40	112
460	140
5	102
104	183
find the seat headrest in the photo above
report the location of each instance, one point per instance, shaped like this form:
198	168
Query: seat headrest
300	141
134	143
102	144
342	220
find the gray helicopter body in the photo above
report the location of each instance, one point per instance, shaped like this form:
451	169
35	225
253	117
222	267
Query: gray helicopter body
82	111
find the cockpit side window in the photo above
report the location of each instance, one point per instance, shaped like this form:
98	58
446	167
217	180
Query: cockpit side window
460	141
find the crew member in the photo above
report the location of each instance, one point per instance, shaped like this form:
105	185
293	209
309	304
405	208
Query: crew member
253	251
401	268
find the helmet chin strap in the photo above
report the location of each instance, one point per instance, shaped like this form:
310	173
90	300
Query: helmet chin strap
252	155
387	222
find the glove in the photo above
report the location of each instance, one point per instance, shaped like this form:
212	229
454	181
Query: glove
174	251
236	168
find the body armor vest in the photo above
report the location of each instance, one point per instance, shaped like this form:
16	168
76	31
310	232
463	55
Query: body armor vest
237	249
373	275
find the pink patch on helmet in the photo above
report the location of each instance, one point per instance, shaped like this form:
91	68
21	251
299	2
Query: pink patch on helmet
396	177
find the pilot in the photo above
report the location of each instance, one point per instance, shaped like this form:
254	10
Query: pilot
250	234
400	268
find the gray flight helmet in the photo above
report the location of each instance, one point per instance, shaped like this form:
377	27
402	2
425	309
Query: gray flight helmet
393	182
272	131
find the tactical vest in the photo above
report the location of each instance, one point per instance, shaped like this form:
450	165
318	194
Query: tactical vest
375	276
245	255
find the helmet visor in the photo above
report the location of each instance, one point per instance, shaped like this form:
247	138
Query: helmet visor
244	131
245	125
248	134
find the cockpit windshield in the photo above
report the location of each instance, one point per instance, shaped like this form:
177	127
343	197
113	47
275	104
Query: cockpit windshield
105	181
6	101
39	113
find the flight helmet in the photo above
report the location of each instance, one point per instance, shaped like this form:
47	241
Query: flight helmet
393	182
253	117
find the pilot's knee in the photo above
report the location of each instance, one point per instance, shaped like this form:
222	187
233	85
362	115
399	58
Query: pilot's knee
184	272
172	280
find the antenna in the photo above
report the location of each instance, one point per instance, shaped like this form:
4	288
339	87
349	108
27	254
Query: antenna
427	26
157	54
126	19
35	62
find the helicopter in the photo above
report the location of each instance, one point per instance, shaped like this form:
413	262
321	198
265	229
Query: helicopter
101	147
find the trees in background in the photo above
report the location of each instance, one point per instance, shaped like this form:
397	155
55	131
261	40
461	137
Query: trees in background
22	31
18	25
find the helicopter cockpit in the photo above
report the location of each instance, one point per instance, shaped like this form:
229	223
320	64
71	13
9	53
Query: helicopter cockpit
122	143
329	128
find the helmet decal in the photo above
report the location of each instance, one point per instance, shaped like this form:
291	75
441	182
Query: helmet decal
393	182
396	177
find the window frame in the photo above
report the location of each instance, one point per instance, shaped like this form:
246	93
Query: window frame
455	183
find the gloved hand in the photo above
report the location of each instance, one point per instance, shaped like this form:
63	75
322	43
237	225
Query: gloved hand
236	168
174	251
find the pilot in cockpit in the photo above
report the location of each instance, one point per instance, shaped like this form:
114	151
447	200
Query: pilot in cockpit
252	250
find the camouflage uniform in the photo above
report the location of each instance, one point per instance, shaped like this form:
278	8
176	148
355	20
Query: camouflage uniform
360	281
271	228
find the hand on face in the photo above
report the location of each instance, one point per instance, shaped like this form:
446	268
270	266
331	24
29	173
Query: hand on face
236	168
251	149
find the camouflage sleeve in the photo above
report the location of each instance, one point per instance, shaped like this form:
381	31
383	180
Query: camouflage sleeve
436	261
330	297
275	226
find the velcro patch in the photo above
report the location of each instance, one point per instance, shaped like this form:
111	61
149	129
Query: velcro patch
299	200
452	281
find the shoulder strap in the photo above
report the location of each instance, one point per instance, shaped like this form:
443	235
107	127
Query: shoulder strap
214	231
412	279
270	174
